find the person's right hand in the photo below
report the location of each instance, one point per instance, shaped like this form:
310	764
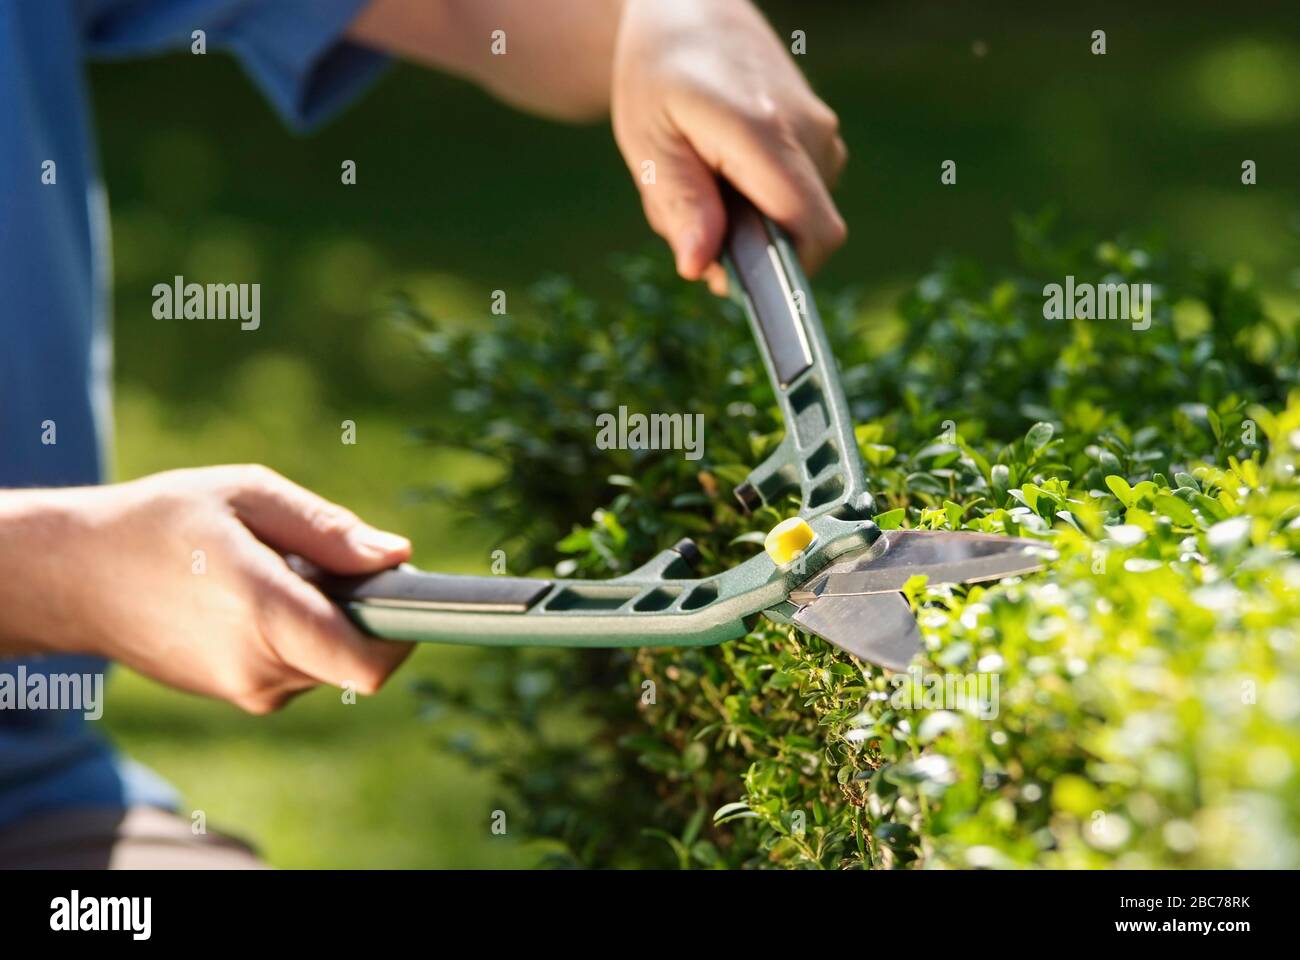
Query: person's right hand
707	90
181	576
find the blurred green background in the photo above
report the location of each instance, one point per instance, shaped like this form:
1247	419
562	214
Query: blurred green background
457	196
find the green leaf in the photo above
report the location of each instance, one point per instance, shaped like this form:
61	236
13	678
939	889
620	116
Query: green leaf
1119	486
981	462
1213	509
1001	477
1068	517
578	541
694	756
693	825
866	433
1039	435
878	454
890	519
727	809
706	854
680	850
1144	488
954	512
1176	510
1216	424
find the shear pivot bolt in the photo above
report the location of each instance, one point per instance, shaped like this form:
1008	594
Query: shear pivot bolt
788	539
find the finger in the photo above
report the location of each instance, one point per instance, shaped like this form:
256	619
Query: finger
770	165
831	160
683	205
785	185
295	520
819	133
314	637
716	277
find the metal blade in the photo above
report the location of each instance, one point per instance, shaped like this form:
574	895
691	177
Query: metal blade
878	628
945	556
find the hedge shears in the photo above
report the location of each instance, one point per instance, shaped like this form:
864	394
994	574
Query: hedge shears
829	569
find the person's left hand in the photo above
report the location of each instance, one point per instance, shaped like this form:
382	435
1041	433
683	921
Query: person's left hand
706	89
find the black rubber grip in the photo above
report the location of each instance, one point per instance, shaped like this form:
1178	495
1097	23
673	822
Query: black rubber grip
757	264
436	591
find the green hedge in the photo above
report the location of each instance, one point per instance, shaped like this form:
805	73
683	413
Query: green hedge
1148	684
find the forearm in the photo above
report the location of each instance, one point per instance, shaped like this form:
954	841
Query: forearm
38	530
558	53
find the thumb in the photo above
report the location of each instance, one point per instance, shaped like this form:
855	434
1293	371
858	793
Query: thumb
292	519
684	207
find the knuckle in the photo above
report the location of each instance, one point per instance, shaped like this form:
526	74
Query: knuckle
839	154
258	472
331	520
837	231
252	476
825	119
762	115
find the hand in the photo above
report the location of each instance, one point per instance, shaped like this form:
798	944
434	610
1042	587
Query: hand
701	88
706	89
117	571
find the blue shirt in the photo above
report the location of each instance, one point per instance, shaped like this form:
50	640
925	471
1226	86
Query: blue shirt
55	353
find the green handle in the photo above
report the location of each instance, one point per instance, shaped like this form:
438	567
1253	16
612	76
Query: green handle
819	455
662	603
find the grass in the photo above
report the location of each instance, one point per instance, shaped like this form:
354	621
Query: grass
322	783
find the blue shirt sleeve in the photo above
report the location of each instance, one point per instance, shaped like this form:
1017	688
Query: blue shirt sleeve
293	49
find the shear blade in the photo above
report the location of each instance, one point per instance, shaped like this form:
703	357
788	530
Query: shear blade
856	604
944	556
878	628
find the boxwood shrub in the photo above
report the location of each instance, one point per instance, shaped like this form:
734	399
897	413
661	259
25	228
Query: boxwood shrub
1147	706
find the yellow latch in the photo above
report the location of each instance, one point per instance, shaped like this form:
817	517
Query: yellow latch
788	539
